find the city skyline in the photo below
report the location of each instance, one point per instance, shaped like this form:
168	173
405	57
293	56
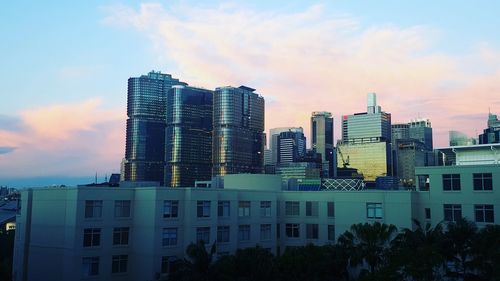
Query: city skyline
65	69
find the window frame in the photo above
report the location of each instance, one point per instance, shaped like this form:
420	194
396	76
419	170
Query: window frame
93	209
119	264
223	234
373	209
244	208
265	208
451	182
451	211
121	236
223	208
292	208
292	230
91	237
485	211
482	181
170	209
169	236
203	208
123	208
244	233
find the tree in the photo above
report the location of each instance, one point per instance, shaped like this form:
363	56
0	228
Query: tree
486	249
197	266
458	245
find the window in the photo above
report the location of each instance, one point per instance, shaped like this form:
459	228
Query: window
169	236
90	266
167	264
244	232
374	210
451	182
170	209
423	182
427	213
311	209
278	208
311	231
119	263
278	231
292	208
265	232
122	208
91	237
120	235
265	208
93	208
452	212
244	209
203	209
203	234
331	232
223	209
222	234
483	181
292	230
484	213
330	209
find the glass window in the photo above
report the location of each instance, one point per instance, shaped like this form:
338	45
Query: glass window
311	209
244	208
91	237
169	236
119	263
292	208
223	234
203	209
331	232
170	209
423	182
223	208
484	213
311	231
203	234
483	181
265	208
451	182
292	230
452	212
265	232
244	232
122	208
90	266
330	209
93	208
374	210
120	235
427	213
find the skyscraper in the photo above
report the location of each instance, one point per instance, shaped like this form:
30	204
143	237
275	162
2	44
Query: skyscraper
366	139
188	137
238	131
273	140
322	139
145	139
291	147
492	133
421	130
400	131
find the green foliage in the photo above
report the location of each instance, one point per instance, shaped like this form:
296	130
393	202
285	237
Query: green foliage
6	254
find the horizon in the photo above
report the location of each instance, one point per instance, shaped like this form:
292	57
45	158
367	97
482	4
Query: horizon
66	67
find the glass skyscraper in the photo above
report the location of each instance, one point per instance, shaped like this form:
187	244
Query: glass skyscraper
145	136
291	146
421	130
188	136
238	131
322	138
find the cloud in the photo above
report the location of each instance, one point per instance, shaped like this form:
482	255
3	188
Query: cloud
64	140
7	149
313	60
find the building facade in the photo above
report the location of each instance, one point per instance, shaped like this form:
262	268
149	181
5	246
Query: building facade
273	140
322	140
421	130
188	136
238	131
492	133
145	135
291	147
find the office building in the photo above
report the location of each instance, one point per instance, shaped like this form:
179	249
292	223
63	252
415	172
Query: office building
273	140
461	139
188	136
400	131
421	130
410	153
492	133
322	140
291	147
366	142
145	139
238	131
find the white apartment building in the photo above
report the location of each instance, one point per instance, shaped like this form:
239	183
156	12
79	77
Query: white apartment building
96	233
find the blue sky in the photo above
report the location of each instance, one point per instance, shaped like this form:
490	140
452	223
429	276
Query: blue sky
63	59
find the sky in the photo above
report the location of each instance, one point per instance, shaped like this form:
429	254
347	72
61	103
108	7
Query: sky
65	65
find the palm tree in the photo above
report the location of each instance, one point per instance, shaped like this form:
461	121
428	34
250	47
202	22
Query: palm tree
486	249
197	266
368	244
458	245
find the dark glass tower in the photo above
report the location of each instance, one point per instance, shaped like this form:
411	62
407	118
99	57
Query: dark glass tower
145	140
238	141
322	139
291	146
188	137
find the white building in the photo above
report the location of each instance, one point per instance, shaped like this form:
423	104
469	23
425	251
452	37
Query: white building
133	233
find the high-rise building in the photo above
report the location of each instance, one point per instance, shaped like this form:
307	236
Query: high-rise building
145	140
492	133
291	147
460	139
238	131
188	136
421	130
322	139
400	131
366	139
273	140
